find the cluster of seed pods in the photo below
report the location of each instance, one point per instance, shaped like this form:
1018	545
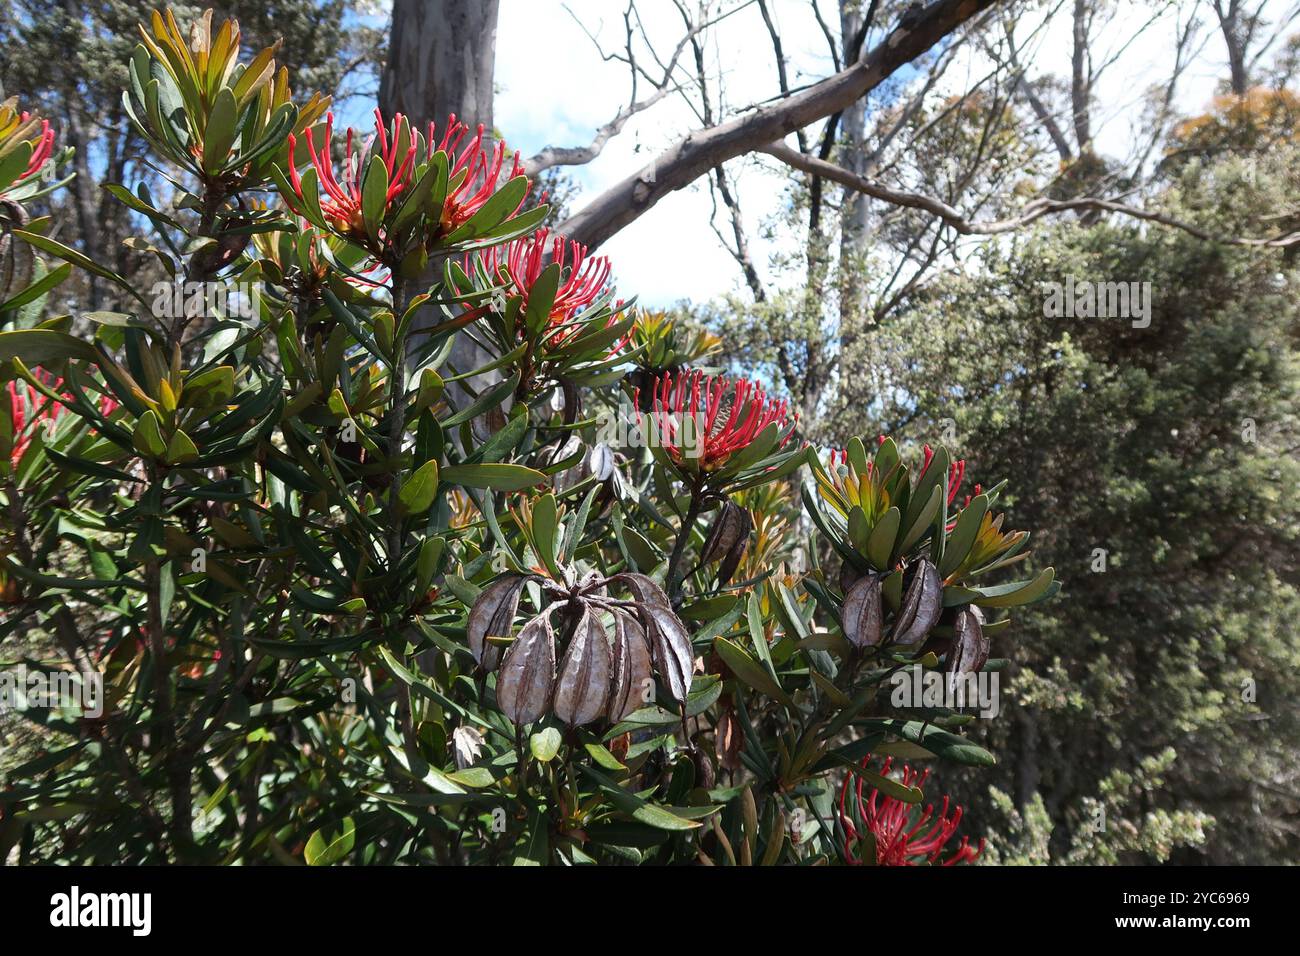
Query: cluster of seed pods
862	618
600	675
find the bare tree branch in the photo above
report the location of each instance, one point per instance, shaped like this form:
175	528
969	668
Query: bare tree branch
778	51
1036	209
664	85
580	155
702	150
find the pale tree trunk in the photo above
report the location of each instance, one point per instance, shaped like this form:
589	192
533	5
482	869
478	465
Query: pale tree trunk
852	156
441	59
1081	78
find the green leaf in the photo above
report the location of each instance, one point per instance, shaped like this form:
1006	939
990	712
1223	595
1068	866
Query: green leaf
541	298
498	477
216	386
321	851
418	491
180	449
427	563
545	744
545	522
1018	592
923	520
637	808
148	438
942	743
38	288
14	162
963	535
880	546
374	195
219	134
78	259
886	785
495	211
42	346
935	476
604	757
749	672
431	389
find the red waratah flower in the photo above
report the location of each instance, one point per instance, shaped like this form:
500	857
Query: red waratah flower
584	278
956	472
28	408
724	416
900	840
42	148
473	174
467	197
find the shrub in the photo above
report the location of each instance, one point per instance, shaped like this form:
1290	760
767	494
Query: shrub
351	601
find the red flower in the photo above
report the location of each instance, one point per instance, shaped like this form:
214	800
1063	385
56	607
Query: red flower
29	407
956	472
482	174
724	416
527	256
42	147
473	174
899	840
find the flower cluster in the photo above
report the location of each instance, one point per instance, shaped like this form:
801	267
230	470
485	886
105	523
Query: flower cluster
706	420
847	487
406	157
956	472
29	408
23	129
899	840
583	278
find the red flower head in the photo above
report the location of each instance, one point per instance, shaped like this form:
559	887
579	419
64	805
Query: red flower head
584	277
900	841
472	173
956	472
42	147
707	420
16	128
29	408
482	173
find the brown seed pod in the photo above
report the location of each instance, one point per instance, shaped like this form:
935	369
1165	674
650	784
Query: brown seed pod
728	739
493	615
631	667
528	672
970	645
862	617
643	589
732	561
670	647
849	576
922	605
731	527
705	775
582	689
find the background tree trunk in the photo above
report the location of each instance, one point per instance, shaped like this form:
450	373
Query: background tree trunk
441	59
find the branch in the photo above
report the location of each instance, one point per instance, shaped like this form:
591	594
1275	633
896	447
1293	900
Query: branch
1032	210
700	151
581	155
